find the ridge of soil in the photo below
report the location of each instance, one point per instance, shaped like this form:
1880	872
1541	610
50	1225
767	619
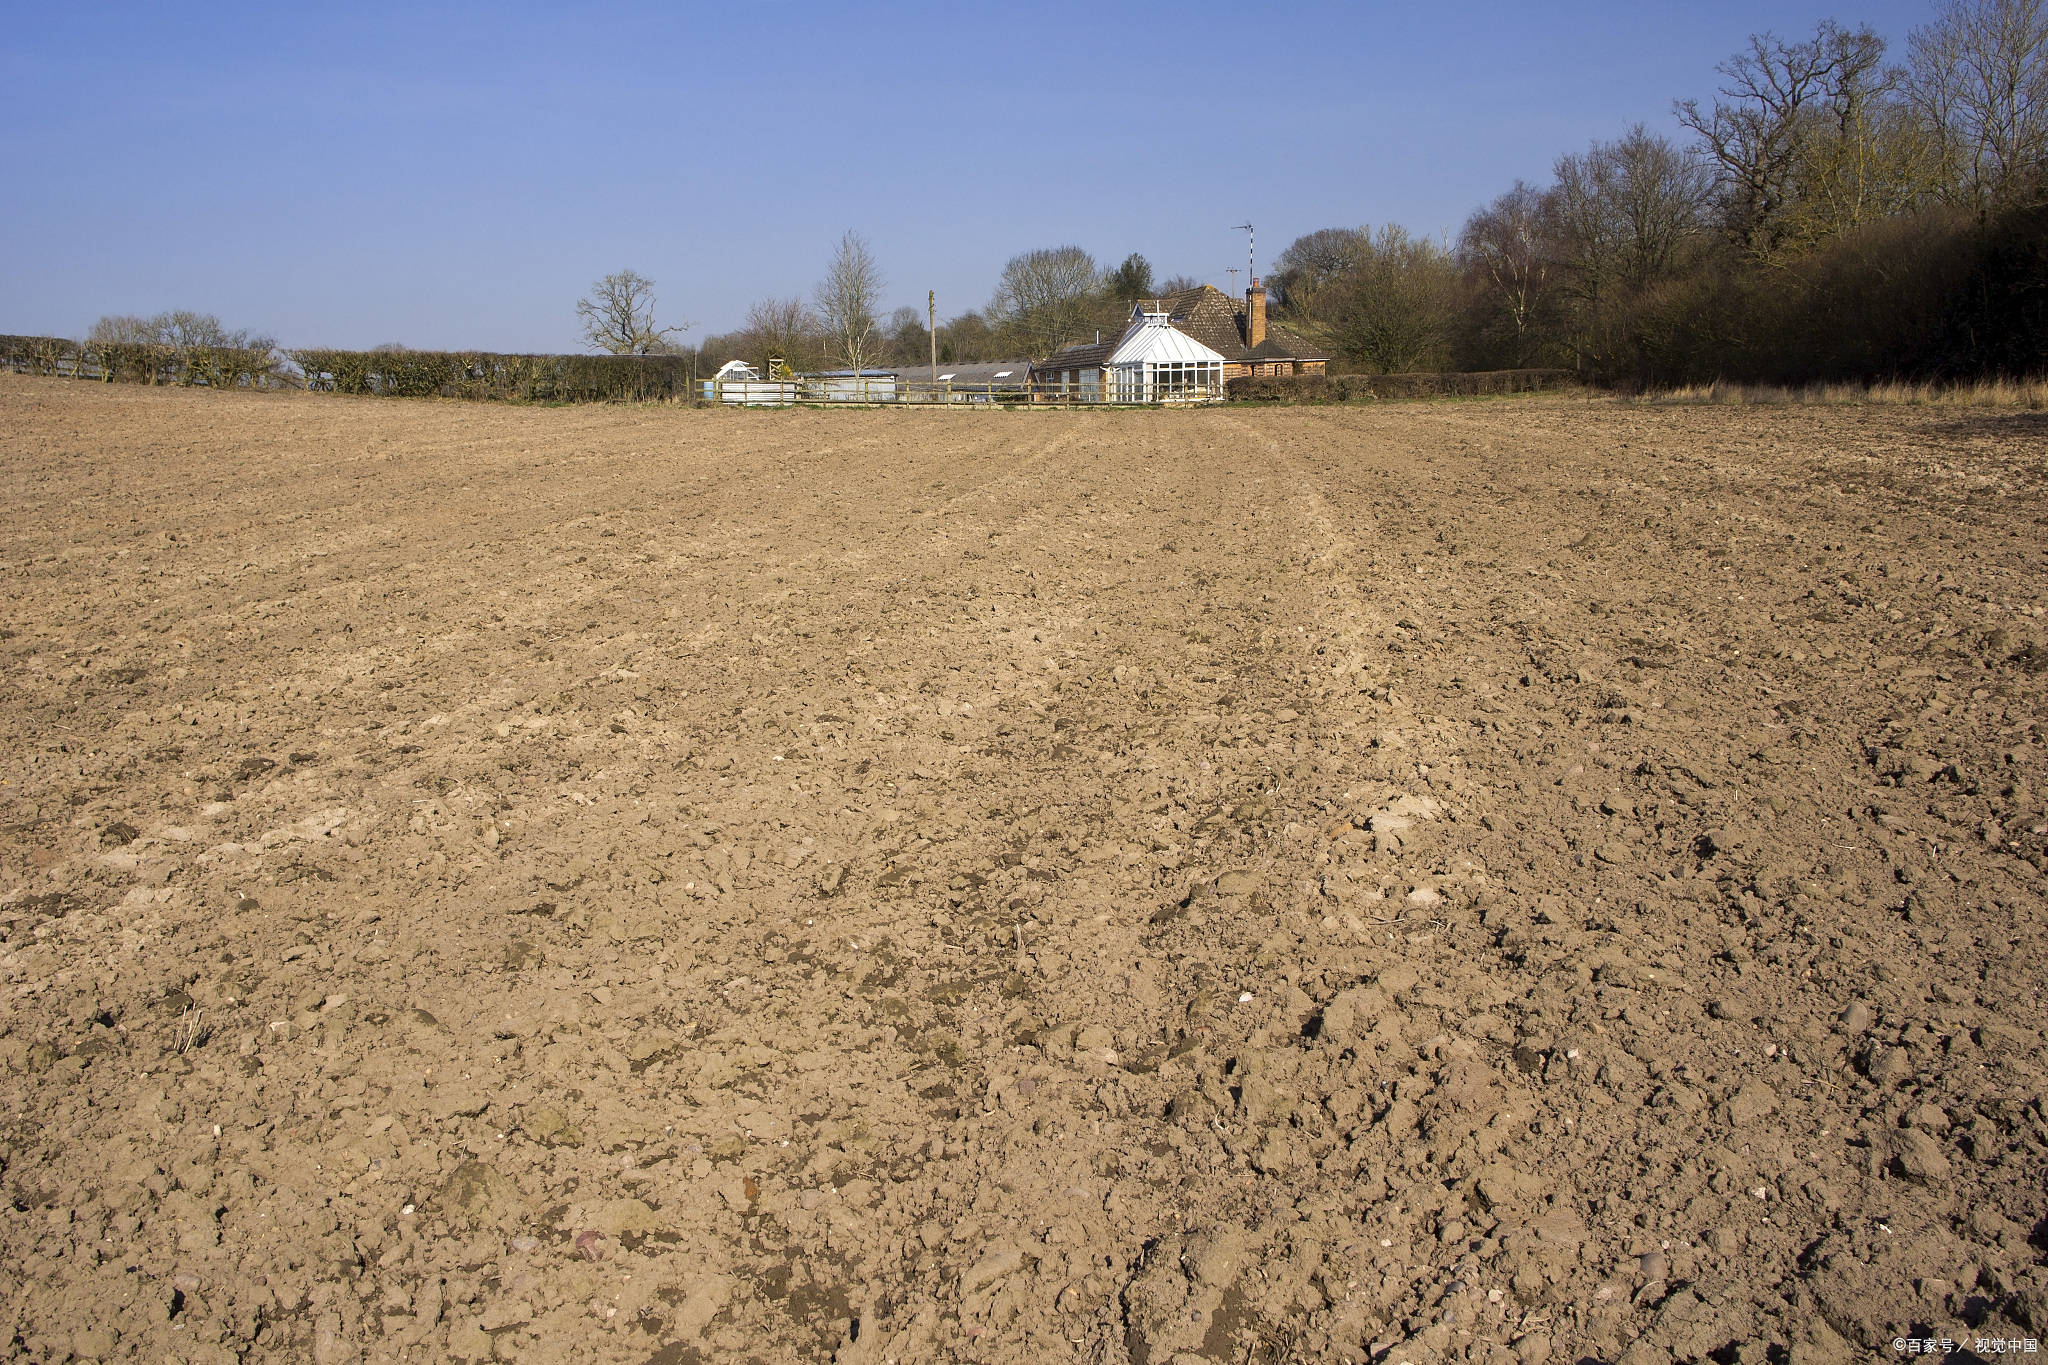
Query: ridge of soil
1525	881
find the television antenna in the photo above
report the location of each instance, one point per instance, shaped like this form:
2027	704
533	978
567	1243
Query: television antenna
1251	245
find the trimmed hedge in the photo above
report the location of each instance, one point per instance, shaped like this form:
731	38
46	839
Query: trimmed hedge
1345	388
397	374
38	355
220	367
488	375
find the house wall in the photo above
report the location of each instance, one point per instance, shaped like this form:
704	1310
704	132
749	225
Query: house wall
1273	367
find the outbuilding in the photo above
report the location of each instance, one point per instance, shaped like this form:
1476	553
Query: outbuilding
740	385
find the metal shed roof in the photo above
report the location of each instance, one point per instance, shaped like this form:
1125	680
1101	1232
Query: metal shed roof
977	373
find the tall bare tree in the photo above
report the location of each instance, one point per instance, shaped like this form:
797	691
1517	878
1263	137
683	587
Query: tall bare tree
1047	298
1763	134
1979	77
849	302
124	329
1621	215
1623	211
1503	247
619	317
967	338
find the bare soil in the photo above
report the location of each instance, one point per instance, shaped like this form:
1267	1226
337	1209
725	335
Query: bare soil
1538	879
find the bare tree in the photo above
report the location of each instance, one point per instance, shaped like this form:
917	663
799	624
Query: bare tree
1979	77
1503	247
123	330
1870	156
1620	216
783	328
907	336
619	317
1313	262
849	299
1047	298
1783	101
1392	310
967	338
185	330
187	346
1622	211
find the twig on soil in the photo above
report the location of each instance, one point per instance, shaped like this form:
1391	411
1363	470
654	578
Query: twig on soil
189	1034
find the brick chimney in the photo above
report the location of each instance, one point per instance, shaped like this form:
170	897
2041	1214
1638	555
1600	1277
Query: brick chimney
1255	314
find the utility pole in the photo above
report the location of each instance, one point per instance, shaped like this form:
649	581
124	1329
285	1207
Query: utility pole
931	309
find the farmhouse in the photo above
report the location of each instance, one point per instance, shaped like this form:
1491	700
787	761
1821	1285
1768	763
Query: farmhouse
1180	348
1239	340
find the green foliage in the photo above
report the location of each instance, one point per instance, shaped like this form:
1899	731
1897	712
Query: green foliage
1130	281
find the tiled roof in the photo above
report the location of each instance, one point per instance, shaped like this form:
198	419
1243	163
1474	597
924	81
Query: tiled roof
1281	344
1211	317
1089	355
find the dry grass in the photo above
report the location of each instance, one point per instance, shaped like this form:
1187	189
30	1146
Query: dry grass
1989	393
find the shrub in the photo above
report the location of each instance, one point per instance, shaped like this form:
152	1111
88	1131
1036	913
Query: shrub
1344	388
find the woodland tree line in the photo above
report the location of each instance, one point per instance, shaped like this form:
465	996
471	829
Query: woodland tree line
1829	215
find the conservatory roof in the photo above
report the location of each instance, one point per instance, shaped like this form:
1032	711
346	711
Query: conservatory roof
1156	341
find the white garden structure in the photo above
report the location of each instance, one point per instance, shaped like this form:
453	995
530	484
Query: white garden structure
1158	363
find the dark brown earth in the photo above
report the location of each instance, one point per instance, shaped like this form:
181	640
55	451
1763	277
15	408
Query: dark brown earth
1535	879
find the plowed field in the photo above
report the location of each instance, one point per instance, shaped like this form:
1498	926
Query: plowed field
1534	880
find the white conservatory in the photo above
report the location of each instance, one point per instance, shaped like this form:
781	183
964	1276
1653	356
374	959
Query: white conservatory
1158	363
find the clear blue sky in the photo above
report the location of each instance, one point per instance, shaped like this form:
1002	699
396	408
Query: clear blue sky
456	176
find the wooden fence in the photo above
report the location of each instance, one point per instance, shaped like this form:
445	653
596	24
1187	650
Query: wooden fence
831	390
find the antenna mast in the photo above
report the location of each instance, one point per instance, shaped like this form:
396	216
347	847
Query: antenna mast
1251	252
